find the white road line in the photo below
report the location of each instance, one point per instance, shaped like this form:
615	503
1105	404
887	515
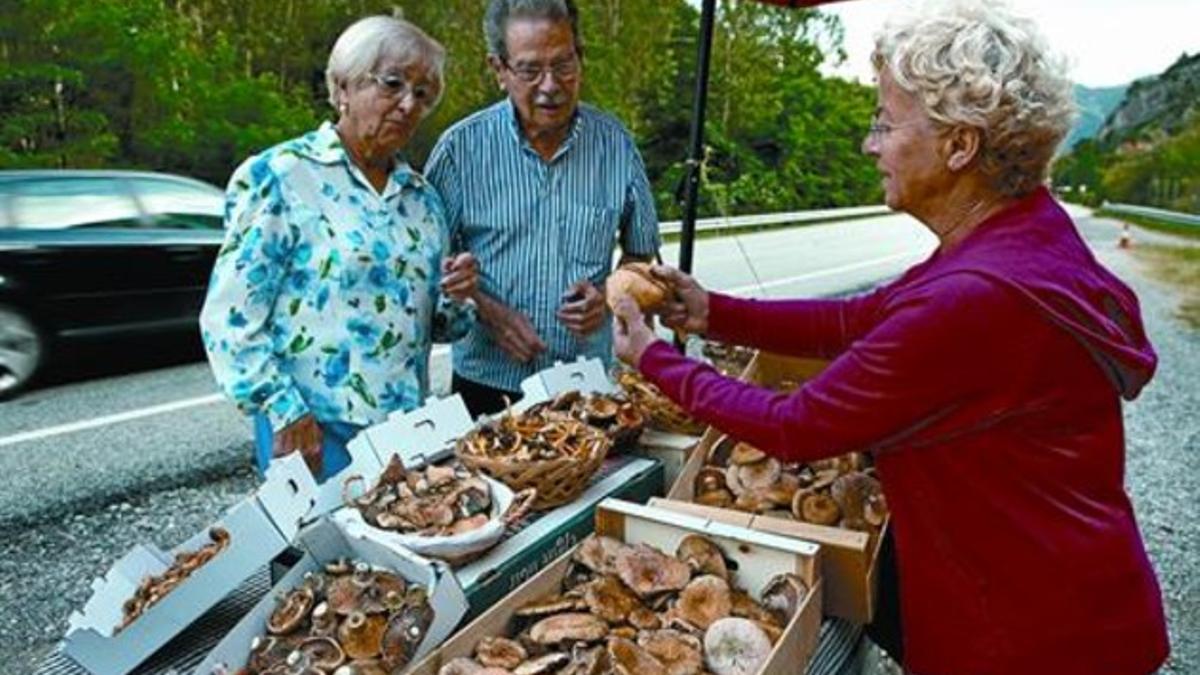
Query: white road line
833	271
439	351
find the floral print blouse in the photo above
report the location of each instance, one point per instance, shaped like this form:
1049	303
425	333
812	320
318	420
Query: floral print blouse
324	298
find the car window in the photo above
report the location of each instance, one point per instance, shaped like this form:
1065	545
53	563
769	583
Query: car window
58	203
179	204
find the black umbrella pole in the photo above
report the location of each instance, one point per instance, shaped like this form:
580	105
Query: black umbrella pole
696	154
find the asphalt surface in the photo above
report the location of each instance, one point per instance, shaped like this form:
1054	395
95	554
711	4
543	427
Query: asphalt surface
97	461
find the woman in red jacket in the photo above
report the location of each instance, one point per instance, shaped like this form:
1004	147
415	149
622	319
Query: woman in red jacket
986	381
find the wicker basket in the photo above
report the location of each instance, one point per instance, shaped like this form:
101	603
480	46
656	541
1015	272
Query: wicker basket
557	481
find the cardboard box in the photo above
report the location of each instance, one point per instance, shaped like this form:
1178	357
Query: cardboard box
850	558
323	542
260	527
669	448
759	557
539	539
584	375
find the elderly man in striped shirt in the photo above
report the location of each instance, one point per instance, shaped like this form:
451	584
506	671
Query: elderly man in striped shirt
539	188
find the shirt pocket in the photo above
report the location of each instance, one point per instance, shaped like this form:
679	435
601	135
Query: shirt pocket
588	241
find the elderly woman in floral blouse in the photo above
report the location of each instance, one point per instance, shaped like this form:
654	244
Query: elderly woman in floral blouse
331	284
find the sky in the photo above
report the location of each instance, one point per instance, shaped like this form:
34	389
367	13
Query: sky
1106	42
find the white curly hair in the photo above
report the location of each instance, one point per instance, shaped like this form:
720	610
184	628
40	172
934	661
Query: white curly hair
975	63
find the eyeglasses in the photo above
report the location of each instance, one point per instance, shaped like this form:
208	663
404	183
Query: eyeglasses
879	129
397	88
562	71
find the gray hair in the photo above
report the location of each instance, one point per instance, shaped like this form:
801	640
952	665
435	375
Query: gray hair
367	42
974	63
499	12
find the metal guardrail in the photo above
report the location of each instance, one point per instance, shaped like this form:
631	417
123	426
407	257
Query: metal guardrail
759	220
1173	217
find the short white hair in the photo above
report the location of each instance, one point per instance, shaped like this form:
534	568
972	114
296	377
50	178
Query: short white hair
367	42
974	63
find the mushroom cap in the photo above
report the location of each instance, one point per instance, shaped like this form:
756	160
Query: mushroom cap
736	646
609	599
599	554
543	664
646	570
851	491
718	498
815	507
644	619
875	510
460	666
709	478
464	525
322	652
291	611
629	659
568	627
783	595
705	600
549	605
702	555
747	607
600	409
721	452
499	652
760	475
680	653
343	594
635	280
405	631
361	635
744	453
587	661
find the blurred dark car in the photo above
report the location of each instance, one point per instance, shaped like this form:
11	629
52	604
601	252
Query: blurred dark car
99	254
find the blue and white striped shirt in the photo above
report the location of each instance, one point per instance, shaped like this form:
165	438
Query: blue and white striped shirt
537	227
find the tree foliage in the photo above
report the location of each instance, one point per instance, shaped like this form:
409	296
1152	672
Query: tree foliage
194	86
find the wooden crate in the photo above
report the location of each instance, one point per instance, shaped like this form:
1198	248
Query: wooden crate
759	556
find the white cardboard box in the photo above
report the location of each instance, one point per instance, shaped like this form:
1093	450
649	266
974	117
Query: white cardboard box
260	527
324	542
759	556
583	375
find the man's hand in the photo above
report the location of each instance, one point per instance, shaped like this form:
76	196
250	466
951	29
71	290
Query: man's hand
511	329
460	276
582	309
631	333
686	308
303	435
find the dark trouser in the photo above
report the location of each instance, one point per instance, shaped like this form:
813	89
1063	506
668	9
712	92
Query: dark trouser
885	630
480	398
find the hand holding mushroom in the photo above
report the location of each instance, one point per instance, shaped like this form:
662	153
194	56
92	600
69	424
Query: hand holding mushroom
631	335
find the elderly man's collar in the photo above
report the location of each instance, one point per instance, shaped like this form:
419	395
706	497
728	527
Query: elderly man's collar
578	123
324	146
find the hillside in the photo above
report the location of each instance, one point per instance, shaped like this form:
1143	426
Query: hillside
1162	102
1095	105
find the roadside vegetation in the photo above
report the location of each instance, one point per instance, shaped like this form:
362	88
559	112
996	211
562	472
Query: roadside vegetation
1178	266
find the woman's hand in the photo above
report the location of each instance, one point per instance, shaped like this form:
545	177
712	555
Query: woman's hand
460	276
631	334
303	435
687	307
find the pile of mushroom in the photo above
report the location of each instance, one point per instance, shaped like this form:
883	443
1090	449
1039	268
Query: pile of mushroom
633	610
661	411
841	491
155	587
533	435
615	415
435	501
730	360
349	619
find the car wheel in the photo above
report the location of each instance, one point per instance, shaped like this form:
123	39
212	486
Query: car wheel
22	350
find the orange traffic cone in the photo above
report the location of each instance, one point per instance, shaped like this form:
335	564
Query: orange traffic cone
1126	240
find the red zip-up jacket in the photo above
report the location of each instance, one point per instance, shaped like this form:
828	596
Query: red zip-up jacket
986	381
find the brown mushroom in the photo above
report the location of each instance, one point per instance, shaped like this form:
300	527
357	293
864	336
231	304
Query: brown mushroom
643	619
744	453
405	631
268	652
646	570
550	605
679	653
704	600
464	525
721	498
498	652
361	635
816	508
607	598
783	595
460	666
587	661
291	611
720	452
600	410
568	627
322	652
702	555
629	659
875	510
543	664
746	607
599	553
627	632
757	476
736	646
851	492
